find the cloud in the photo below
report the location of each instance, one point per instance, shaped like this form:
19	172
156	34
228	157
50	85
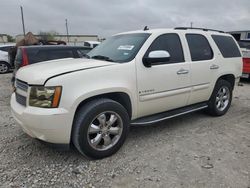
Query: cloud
111	16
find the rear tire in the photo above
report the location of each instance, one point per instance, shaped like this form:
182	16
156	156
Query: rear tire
220	99
4	67
100	128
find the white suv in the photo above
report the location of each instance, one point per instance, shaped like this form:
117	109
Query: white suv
132	78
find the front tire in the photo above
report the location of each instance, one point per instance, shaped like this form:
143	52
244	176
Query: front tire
220	99
4	67
100	128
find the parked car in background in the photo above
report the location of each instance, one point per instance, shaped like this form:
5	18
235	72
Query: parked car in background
91	44
245	49
5	66
27	55
133	78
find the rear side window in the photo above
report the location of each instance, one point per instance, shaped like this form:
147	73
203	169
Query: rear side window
81	52
5	48
227	46
171	43
199	47
46	55
244	44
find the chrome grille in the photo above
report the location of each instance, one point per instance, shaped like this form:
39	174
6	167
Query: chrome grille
21	99
22	85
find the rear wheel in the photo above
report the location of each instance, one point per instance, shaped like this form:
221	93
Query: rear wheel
4	67
100	128
221	98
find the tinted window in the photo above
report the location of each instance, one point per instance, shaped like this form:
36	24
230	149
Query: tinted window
199	47
46	55
227	46
170	43
244	44
248	35
5	48
82	52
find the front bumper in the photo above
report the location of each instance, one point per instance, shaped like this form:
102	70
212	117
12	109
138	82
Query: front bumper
49	125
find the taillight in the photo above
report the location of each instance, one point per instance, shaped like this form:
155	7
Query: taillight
246	60
25	60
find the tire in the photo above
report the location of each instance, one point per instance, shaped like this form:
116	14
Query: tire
4	67
94	135
220	99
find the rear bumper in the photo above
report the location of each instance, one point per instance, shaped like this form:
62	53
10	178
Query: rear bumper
49	125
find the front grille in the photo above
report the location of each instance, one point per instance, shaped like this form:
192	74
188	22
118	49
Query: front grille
20	99
22	85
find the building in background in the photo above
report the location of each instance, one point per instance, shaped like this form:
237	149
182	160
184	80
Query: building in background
3	38
241	35
73	39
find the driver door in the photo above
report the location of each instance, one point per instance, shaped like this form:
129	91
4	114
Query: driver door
164	85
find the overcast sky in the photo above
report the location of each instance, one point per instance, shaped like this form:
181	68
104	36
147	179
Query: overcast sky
107	17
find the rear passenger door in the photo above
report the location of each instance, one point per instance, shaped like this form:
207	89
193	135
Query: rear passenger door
203	65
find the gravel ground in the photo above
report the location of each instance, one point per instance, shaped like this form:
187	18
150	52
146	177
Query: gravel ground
194	150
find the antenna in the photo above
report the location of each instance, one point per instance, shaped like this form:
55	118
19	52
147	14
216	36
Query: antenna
145	28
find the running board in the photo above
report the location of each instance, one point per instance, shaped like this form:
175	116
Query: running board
169	114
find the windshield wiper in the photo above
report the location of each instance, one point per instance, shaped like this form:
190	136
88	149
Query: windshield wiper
101	57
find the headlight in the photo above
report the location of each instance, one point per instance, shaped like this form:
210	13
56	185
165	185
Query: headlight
45	97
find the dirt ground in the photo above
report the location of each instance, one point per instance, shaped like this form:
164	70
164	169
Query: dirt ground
194	150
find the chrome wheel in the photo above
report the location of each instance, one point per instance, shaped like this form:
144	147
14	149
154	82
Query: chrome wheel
3	68
105	130
222	98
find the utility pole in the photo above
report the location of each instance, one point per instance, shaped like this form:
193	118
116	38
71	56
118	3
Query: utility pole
191	24
22	20
67	30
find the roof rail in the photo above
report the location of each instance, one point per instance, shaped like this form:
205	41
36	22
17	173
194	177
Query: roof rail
203	29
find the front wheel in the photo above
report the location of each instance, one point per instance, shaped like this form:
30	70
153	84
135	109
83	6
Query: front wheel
100	128
221	98
4	67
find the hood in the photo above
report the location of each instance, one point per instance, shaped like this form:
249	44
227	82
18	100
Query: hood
37	74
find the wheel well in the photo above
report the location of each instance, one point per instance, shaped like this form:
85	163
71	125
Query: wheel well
230	78
119	97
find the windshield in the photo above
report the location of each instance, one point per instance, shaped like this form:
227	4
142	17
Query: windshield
119	48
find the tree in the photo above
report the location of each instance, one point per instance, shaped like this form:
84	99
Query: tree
10	38
47	35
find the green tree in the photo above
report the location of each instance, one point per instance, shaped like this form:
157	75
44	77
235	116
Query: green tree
10	38
47	35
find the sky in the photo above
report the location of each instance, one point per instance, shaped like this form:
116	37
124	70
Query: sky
107	17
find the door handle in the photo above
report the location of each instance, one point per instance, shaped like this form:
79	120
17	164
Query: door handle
214	66
182	71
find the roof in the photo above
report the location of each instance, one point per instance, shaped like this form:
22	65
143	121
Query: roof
66	35
175	30
54	47
239	31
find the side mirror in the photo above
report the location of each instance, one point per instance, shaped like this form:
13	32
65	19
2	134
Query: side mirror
155	57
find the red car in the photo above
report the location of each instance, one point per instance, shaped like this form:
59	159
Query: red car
245	49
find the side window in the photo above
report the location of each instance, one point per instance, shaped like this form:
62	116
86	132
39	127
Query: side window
227	46
171	43
82	52
59	54
199	47
46	55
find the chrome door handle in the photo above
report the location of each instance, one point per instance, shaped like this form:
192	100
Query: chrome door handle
182	71
214	66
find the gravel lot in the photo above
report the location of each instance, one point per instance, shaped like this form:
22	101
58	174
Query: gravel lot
194	150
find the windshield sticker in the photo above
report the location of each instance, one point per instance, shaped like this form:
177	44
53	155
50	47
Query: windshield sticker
126	47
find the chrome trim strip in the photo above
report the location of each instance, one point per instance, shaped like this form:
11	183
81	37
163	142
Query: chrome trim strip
169	117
